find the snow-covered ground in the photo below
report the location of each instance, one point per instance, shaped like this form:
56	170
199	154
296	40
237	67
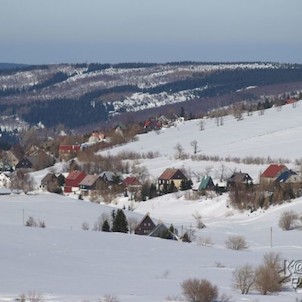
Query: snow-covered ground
65	263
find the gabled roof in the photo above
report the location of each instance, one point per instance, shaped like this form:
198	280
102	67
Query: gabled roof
172	173
110	175
131	181
48	177
284	176
89	180
239	177
64	148
159	231
73	175
205	182
273	170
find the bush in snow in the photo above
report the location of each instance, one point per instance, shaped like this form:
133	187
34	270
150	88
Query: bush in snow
236	242
287	220
31	222
267	278
196	290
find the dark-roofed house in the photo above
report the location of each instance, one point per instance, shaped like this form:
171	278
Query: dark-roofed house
89	184
239	178
145	227
112	177
24	164
50	183
72	181
170	175
289	177
162	231
271	173
206	184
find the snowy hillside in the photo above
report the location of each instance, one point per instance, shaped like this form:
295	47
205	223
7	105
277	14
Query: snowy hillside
275	134
67	264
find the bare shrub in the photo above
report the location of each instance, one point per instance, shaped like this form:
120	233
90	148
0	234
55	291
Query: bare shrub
31	222
205	241
85	226
196	290
132	223
267	278
236	242
109	298
198	218
31	297
244	278
287	220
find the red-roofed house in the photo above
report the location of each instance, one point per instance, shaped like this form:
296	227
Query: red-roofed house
68	151
272	173
72	181
132	187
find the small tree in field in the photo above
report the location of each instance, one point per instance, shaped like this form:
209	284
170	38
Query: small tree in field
194	144
244	278
196	290
120	223
267	278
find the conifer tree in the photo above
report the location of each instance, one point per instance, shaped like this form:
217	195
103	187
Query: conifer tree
120	223
106	226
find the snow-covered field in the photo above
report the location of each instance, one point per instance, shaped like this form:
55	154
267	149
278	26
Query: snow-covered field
65	263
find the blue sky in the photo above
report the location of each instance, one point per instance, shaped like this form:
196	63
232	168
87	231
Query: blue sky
111	31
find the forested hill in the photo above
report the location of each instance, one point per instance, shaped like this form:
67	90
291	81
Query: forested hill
78	95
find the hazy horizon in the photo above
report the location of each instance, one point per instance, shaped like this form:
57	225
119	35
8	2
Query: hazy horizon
74	31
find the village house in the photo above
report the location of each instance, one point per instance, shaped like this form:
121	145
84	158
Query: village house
239	179
148	228
132	187
206	184
72	181
50	183
5	181
271	173
66	152
24	164
145	227
171	175
112	177
89	184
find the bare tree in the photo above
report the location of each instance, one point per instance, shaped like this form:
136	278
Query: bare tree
194	145
198	218
201	125
244	278
179	151
132	223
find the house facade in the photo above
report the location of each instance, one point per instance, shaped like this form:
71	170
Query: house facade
271	173
145	227
238	179
72	181
171	175
68	151
89	184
